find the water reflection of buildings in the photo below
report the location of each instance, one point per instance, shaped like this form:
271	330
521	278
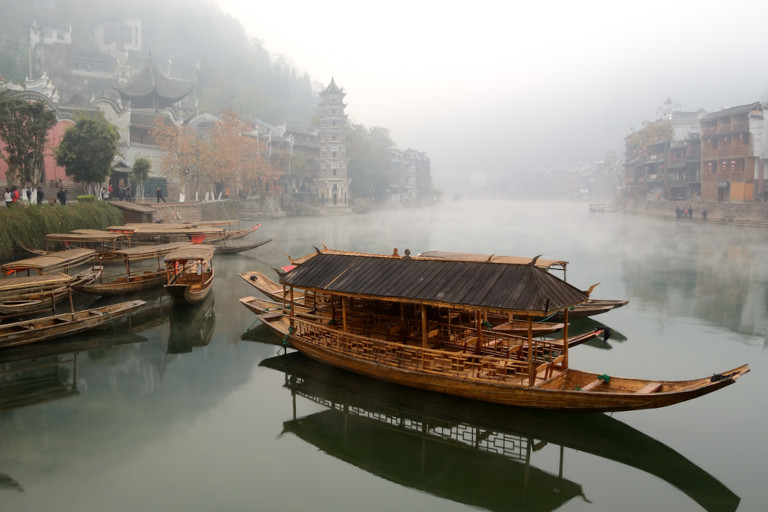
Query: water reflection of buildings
470	452
719	280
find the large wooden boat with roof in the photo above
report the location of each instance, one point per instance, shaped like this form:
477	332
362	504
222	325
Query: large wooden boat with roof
383	325
135	278
189	273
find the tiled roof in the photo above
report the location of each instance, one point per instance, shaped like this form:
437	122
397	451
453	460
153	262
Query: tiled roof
487	285
152	81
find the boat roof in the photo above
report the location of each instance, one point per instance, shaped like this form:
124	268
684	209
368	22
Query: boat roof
51	262
493	258
191	252
85	235
21	283
142	252
498	286
150	229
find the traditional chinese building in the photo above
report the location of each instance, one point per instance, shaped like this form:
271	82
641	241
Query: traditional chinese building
332	182
730	163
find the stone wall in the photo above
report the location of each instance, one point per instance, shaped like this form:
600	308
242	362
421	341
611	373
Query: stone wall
747	214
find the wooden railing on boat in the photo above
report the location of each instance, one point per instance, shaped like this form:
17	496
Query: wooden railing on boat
498	363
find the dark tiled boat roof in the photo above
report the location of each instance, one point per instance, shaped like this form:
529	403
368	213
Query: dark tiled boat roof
495	286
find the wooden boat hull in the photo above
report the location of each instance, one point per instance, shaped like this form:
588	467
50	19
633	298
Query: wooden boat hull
186	294
589	308
58	326
32	303
226	248
241	233
570	390
264	284
126	285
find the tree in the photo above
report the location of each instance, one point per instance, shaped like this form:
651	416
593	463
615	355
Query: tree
181	158
86	152
370	168
24	130
140	174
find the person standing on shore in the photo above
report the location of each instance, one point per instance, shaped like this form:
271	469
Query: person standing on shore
62	196
159	193
8	198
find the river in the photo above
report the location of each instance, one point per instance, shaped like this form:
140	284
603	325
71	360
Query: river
191	409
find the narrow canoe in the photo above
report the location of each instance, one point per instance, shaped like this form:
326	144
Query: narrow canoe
65	324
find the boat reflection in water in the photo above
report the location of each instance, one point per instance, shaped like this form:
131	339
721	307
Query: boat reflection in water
471	452
47	371
191	326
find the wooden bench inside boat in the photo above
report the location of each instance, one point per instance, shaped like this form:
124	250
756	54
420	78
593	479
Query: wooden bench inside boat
592	385
651	387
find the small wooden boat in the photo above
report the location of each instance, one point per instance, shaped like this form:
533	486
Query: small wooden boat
189	273
224	247
133	280
102	242
241	233
265	285
480	364
24	296
49	263
65	324
591	307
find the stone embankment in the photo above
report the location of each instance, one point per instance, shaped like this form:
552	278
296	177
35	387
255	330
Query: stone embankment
743	214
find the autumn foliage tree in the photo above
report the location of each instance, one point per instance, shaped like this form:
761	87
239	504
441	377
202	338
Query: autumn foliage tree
224	155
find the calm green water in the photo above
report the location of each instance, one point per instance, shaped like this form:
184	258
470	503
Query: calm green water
191	410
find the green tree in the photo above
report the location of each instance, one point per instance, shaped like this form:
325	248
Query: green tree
140	174
369	168
86	152
24	130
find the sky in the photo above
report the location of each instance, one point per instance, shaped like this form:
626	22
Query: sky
503	87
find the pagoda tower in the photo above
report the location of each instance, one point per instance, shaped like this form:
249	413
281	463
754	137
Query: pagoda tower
332	182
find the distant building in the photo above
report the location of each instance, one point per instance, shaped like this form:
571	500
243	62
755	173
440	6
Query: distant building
332	182
730	160
412	180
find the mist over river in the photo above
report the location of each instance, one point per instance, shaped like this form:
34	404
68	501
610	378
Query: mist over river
190	409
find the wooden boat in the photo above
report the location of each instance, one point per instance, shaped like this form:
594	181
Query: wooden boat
189	273
49	263
591	307
265	285
133	280
102	242
65	324
223	247
482	365
150	233
260	306
23	296
346	411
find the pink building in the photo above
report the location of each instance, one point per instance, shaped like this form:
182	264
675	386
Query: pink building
52	172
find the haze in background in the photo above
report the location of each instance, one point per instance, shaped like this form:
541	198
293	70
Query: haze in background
490	87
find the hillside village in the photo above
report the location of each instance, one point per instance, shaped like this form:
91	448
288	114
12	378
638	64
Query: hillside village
116	77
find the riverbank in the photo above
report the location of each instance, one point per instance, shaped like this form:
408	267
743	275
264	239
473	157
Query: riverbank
26	226
742	214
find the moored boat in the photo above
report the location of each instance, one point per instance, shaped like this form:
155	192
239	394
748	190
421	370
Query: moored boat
224	247
24	296
133	279
65	324
479	364
189	273
49	263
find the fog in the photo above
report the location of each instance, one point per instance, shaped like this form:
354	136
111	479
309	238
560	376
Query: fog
505	87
